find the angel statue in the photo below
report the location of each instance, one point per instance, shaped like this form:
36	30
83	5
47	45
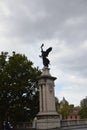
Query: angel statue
44	55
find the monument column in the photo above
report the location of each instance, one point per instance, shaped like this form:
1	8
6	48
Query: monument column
47	116
46	93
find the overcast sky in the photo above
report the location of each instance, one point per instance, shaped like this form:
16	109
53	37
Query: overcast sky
60	24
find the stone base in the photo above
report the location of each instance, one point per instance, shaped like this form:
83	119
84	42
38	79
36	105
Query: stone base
47	121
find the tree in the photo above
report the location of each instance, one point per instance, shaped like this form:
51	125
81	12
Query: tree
65	108
83	102
83	109
18	88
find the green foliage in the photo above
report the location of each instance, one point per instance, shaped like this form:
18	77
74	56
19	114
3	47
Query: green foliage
83	102
83	112
65	108
83	109
18	93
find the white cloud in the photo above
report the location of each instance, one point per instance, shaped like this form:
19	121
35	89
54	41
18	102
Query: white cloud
4	10
73	89
84	45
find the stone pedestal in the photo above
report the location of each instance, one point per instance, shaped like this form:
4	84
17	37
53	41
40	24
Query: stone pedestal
47	117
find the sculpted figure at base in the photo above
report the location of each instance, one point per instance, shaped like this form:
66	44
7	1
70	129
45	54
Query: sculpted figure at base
44	55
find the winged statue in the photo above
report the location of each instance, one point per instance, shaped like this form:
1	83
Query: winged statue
44	55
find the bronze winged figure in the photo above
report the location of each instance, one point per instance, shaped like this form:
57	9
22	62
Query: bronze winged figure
44	55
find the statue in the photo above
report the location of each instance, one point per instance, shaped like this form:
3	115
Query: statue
44	55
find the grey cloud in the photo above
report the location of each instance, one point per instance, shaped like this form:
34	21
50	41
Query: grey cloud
26	18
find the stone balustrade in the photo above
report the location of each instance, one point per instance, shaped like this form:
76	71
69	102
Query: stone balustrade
74	123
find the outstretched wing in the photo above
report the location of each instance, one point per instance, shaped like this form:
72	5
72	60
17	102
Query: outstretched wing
47	51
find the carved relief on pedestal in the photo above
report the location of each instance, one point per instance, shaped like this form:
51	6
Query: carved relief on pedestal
50	86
